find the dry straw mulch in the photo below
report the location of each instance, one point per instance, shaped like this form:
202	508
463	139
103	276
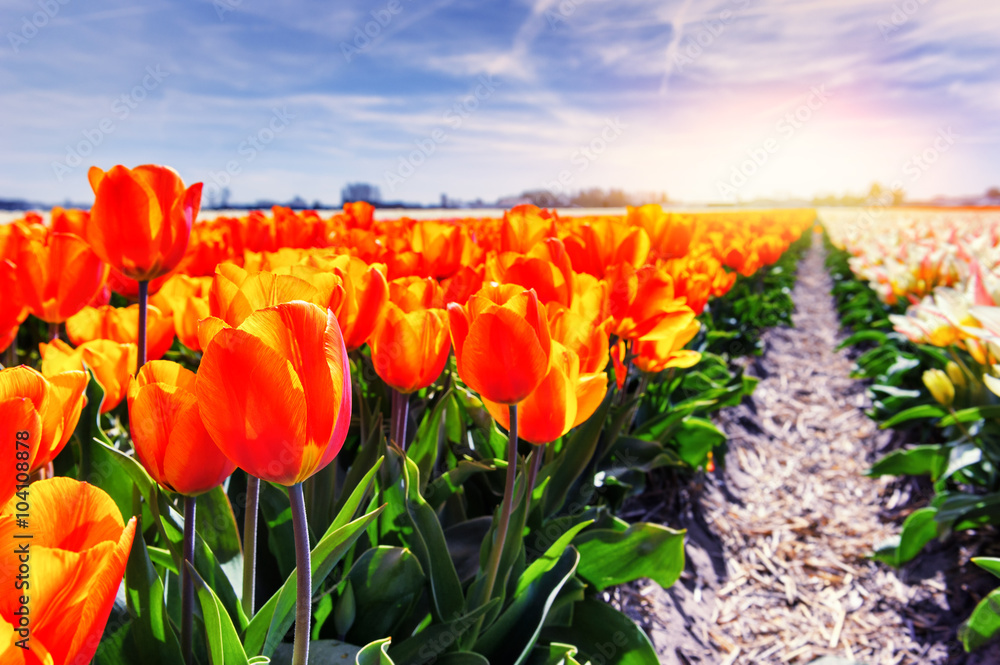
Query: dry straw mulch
778	568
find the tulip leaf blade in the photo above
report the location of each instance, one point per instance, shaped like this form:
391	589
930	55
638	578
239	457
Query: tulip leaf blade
603	634
913	413
423	450
609	557
574	459
512	636
224	646
923	460
376	653
983	625
429	645
386	583
152	631
270	623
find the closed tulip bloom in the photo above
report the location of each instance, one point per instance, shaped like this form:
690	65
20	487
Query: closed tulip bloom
564	399
413	293
169	437
940	387
359	304
275	393
58	275
502	343
79	548
642	302
112	363
55	401
410	349
121	324
141	219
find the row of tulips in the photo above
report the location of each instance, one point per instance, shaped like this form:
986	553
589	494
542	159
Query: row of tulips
290	329
921	292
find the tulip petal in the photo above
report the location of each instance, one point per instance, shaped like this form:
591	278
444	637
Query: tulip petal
498	342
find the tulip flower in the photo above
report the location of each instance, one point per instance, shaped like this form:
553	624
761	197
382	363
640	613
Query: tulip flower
501	340
524	226
58	276
55	401
668	351
79	548
12	311
595	247
237	293
121	324
642	302
169	437
141	219
275	396
111	362
359	304
409	349
275	393
564	399
940	387
140	224
546	269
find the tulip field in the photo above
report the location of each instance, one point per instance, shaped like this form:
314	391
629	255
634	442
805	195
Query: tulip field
920	290
248	439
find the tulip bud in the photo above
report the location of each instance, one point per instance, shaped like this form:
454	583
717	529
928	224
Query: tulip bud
955	373
940	386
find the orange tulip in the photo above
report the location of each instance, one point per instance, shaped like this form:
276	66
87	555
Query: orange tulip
185	300
409	349
358	306
12	311
54	402
169	437
564	399
121	324
58	275
597	246
668	351
78	551
275	393
546	269
141	219
112	364
236	293
523	227
642	302
413	293
502	343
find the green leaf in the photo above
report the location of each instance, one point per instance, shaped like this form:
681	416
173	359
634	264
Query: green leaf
971	415
987	563
694	438
430	644
609	557
376	653
550	558
512	636
962	456
423	450
224	646
983	624
272	621
873	336
574	458
153	633
553	654
387	583
926	460
913	413
919	529
449	483
603	634
432	549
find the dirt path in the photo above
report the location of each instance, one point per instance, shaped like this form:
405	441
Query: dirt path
777	569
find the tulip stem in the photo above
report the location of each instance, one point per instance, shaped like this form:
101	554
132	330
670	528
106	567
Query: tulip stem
250	544
143	302
303	567
493	564
400	412
534	464
187	582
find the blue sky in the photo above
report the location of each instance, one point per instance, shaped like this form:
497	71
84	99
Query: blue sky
705	100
